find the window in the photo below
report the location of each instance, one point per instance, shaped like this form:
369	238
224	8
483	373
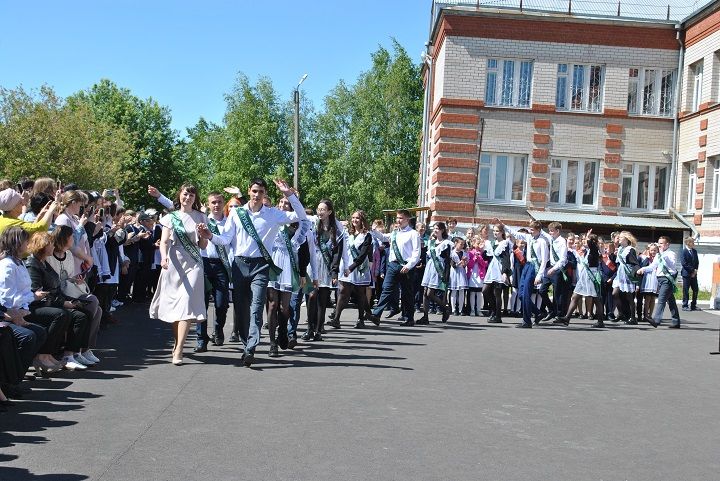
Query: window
573	182
651	92
579	87
644	186
502	177
508	83
692	184
696	76
716	185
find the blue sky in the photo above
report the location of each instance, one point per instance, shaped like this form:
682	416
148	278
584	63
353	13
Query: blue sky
186	55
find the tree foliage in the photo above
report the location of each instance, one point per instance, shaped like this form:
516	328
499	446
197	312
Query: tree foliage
40	135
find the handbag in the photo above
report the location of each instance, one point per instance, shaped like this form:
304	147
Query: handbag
74	290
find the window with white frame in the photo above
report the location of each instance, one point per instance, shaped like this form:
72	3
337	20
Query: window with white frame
573	182
645	186
508	82
696	80
501	177
579	87
715	206
692	184
651	91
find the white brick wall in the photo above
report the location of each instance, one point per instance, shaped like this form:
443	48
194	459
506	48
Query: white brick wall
439	77
704	50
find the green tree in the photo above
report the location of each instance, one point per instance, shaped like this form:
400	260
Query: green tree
41	136
154	159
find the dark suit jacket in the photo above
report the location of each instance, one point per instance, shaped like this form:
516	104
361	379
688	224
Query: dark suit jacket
690	262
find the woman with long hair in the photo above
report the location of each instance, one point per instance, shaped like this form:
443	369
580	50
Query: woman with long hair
626	283
437	273
291	254
498	273
355	272
330	240
179	297
73	215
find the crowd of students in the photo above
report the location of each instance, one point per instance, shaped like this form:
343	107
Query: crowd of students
69	258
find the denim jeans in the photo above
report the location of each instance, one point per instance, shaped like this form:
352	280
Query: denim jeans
527	286
28	340
250	280
295	304
393	279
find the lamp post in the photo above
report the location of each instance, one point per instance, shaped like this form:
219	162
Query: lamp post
296	159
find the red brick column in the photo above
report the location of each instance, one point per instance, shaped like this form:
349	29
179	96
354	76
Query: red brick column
538	176
700	173
610	174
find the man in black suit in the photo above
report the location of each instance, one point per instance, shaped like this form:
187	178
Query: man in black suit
690	264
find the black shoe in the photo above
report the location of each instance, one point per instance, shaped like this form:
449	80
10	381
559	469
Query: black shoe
494	320
360	324
307	336
292	342
583	316
200	348
685	308
391	314
423	321
374	319
248	359
282	337
408	322
696	308
650	321
561	321
218	341
446	315
598	324
332	315
234	338
522	325
611	317
674	326
547	318
456	313
273	352
322	330
317	337
334	324
265	326
631	322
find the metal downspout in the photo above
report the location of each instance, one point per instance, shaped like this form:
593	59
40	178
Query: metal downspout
426	130
676	121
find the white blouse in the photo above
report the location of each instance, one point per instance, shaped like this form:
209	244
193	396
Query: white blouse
14	285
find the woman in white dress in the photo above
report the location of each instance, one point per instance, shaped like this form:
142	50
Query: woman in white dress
291	254
458	275
437	272
180	294
626	283
355	273
330	237
498	273
588	280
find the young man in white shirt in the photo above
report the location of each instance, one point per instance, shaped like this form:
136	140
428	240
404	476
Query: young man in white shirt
666	268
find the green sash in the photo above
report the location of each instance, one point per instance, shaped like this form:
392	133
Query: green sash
250	229
632	278
594	276
556	258
438	267
666	271
324	251
355	253
179	228
285	232
212	225
535	261
395	248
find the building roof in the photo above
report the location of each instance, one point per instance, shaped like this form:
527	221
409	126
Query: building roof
662	223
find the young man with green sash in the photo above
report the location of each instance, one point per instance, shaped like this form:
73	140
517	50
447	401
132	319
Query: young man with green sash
218	270
251	231
666	269
404	255
555	274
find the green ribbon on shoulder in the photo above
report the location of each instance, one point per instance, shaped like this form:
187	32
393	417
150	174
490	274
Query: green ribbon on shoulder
212	225
395	248
355	253
179	228
250	229
668	276
594	276
438	266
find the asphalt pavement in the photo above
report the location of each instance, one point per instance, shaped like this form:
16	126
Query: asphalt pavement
466	400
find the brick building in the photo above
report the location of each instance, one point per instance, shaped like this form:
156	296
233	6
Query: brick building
550	116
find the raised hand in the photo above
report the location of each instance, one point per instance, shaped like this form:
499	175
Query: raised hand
153	192
204	232
283	187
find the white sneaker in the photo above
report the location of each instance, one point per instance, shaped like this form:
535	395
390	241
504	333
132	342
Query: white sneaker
116	303
90	356
112	309
71	364
83	360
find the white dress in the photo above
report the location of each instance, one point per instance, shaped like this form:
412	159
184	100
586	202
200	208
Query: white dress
649	283
362	275
324	275
431	277
281	256
622	280
180	293
585	285
458	275
494	269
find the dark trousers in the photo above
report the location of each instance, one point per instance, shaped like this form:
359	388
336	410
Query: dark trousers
28	339
216	273
105	294
56	321
78	331
126	282
143	278
666	295
690	283
250	280
560	301
393	278
527	287
12	367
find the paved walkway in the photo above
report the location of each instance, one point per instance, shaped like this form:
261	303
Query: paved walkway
461	401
